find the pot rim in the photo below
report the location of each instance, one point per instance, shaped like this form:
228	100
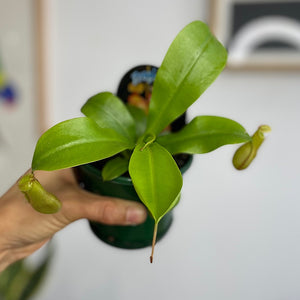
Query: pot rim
127	180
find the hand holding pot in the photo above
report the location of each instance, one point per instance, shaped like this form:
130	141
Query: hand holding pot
24	230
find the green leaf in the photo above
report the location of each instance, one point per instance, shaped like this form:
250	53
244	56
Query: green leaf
140	119
204	134
75	142
156	178
192	63
8	276
36	279
19	280
115	168
108	111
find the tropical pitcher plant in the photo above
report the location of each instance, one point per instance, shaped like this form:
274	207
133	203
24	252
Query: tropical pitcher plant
134	140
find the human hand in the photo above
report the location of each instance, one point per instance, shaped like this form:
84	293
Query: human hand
24	230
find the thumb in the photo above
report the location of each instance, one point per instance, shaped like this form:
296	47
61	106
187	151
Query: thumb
103	209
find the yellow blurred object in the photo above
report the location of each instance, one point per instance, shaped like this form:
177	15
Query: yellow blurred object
138	89
2	79
138	101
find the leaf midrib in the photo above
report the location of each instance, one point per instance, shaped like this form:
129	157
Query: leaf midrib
169	100
152	184
177	139
73	144
121	126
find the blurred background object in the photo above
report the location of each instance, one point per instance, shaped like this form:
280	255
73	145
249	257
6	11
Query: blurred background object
7	90
259	33
22	280
235	234
19	126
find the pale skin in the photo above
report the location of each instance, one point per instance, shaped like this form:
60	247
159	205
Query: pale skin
24	230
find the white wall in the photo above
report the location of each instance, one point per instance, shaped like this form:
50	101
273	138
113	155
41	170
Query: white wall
235	234
94	43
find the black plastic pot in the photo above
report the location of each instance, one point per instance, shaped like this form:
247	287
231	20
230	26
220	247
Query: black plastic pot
129	237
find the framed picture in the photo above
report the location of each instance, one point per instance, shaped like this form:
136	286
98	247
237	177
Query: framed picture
258	33
20	110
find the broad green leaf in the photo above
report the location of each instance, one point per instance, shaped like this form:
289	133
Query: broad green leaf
204	134
7	277
175	202
156	178
108	111
75	142
140	119
192	63
115	168
36	279
20	281
17	283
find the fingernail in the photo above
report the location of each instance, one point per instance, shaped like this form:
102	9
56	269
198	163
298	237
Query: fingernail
135	215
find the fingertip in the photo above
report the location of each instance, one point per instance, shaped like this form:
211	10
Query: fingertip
109	210
136	215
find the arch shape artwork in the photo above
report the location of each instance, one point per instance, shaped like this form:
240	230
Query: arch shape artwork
259	31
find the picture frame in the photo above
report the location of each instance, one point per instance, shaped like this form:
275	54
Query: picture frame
258	33
21	114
